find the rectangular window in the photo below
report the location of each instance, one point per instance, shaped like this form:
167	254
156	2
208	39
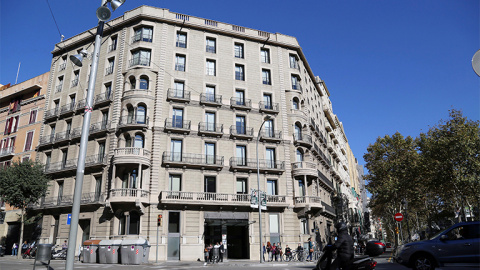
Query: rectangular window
59	86
270	158
108	89
242	186
301	188
140	57
210	184
176	149
210	153
273	221
295	82
178	90
113	44
241	155
180	62
28	143
239	73
143	34
175	182
240	97
272	187
210	67
177	118
240	124
293	61
76	75
98	187
265	55
266	77
181	40
268	129
267	101
211	45
210	121
238	50
303	226
173	222
110	66
64	157
210	93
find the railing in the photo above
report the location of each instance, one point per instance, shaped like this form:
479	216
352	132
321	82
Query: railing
304	165
67	200
308	200
99	126
71	164
239	76
81	104
252	163
61	136
74	82
46	139
215	197
271	135
129	192
241	130
134	120
62	66
210	98
324	180
104	97
265	106
112	47
276	199
109	70
139	62
305	138
7	151
194	159
76	132
177	124
240	102
67	108
178	94
58	88
51	113
142	37
210	127
328	208
210	49
131	151
95	160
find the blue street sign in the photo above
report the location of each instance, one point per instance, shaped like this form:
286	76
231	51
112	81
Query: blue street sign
69	219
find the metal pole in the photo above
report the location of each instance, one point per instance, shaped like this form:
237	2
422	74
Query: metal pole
156	255
83	151
259	197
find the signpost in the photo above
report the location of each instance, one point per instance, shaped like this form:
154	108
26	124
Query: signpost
398	217
69	219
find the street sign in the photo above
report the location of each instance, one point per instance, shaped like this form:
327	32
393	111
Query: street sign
398	217
69	219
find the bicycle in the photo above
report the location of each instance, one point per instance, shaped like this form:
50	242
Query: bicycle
287	257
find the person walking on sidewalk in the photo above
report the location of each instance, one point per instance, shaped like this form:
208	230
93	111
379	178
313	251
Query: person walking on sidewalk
222	250
310	250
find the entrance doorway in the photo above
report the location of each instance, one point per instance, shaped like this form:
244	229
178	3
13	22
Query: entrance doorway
233	232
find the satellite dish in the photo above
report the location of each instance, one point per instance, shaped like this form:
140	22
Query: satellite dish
476	62
103	13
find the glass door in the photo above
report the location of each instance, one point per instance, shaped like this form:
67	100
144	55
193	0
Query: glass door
176	149
210	153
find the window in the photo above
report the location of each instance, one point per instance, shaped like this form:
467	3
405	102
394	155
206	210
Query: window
271	187
59	85
48	158
133	82
299	155
178	90
274	228
76	75
63	64
242	186
143	34
295	82
266	77
98	187
180	62
239	72
295	105
11	125
69	126
28	143
270	157
177	118
210	184
210	67
298	132
211	45
241	155
240	124
303	226
176	149
267	101
101	151
268	129
113	44
144	83
133	222
238	50
139	141
240	97
210	121
293	61
210	153
265	55
175	182
140	57
181	40
210	93
301	188
64	157
110	66
141	117
33	116
173	222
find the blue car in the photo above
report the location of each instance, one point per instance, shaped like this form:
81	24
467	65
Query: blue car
458	245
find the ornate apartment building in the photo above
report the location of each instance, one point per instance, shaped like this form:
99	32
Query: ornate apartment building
21	116
179	101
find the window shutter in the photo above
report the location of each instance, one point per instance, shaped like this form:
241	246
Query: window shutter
28	144
6	126
16	123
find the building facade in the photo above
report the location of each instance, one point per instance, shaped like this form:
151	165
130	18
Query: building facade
179	102
21	115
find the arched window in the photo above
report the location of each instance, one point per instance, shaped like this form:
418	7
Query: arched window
139	141
144	82
141	110
299	155
133	82
295	104
130	115
298	132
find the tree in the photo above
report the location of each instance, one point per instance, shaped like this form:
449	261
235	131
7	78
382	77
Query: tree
21	184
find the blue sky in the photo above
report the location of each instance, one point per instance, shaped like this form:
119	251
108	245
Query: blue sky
389	65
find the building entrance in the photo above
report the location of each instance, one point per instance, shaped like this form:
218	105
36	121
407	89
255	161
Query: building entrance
231	229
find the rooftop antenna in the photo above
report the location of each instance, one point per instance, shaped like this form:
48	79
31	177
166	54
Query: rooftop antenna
62	37
265	43
181	27
18	71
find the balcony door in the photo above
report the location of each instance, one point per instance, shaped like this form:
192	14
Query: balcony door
241	155
240	98
268	128
240	124
210	184
270	157
177	118
176	149
210	153
298	132
267	99
210	94
178	91
141	114
210	121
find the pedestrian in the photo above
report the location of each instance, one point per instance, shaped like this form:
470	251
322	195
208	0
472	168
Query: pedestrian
14	249
300	252
222	250
264	251
216	252
288	254
279	251
24	247
269	251
274	252
206	254
65	245
310	250
210	252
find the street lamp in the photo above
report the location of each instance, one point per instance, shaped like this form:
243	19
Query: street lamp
103	14
265	119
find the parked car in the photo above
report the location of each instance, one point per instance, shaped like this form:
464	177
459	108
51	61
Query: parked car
457	245
374	248
388	245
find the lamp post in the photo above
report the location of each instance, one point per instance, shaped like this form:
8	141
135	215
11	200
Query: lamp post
266	118
103	14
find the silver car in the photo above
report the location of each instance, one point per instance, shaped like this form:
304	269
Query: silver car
457	245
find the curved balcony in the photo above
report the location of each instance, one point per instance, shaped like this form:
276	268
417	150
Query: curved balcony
178	126
132	122
250	165
274	136
125	195
210	129
266	107
102	99
178	95
241	132
304	168
211	100
138	93
303	140
131	155
241	104
67	109
193	161
309	202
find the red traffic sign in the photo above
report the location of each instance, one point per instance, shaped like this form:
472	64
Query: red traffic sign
398	217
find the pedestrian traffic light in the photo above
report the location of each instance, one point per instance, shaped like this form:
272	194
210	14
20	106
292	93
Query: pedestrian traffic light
159	223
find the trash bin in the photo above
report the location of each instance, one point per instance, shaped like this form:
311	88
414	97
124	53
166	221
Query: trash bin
90	251
108	251
134	251
44	252
216	255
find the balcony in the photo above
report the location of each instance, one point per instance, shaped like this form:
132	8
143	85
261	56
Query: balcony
309	202
58	88
76	133
139	62
67	201
241	104
131	155
328	210
91	162
250	165
211	198
99	128
102	99
269	107
51	114
138	93
178	126
67	109
241	132
142	37
304	168
303	140
46	140
7	152
81	105
62	136
95	161
123	195
109	70
211	100
273	136
210	129
178	95
133	122
74	83
194	161
324	181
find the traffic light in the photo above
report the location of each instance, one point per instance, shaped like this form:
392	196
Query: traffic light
396	230
159	222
